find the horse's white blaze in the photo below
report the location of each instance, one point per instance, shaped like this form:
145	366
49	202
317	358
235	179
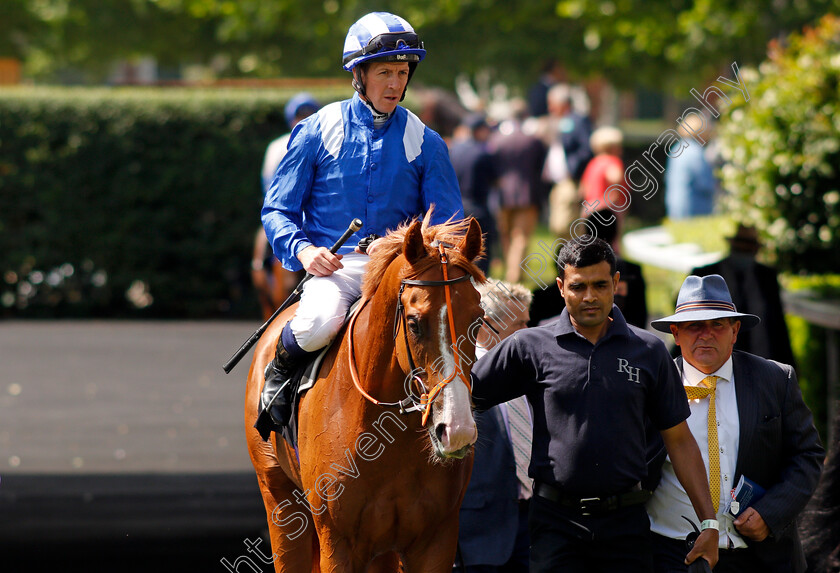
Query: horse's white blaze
456	415
445	349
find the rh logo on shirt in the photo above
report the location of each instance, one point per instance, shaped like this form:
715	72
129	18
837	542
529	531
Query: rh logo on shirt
632	372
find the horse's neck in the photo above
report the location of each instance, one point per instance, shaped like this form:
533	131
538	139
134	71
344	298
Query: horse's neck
374	344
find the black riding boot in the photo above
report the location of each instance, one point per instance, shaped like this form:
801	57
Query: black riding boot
277	396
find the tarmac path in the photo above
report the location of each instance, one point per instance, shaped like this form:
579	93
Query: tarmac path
116	431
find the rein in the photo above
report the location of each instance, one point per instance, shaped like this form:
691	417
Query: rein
406	405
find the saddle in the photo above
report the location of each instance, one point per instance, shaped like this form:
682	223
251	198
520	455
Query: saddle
279	399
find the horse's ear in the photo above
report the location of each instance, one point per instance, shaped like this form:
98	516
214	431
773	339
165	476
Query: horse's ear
413	247
471	244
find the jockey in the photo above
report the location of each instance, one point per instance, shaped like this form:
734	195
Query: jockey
365	157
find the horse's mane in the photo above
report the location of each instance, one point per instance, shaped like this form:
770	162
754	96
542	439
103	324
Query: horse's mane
451	232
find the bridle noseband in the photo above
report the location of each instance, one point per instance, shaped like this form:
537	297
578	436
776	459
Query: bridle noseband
426	400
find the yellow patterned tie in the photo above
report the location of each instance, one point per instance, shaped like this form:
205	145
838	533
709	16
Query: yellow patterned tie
699	392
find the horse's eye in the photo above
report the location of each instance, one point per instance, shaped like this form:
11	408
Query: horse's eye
414	325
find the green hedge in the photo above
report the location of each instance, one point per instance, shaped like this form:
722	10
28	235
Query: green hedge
809	346
132	202
782	150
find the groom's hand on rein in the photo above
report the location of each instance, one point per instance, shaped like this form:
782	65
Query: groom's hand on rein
319	261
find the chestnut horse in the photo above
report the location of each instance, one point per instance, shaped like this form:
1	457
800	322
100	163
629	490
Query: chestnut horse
378	483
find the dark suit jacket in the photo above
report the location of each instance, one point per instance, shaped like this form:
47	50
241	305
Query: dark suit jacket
489	517
769	339
779	449
575	141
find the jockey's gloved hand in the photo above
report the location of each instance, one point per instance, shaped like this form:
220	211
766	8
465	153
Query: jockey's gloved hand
365	243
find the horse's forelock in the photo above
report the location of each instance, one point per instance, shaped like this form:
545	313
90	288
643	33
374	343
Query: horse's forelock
451	232
455	260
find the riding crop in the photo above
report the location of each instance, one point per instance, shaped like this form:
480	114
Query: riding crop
355	225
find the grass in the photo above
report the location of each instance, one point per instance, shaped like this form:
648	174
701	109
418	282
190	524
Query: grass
708	232
662	285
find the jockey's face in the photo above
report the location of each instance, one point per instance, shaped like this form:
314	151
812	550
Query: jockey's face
385	83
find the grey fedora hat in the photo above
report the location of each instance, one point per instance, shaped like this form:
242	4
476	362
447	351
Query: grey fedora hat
704	298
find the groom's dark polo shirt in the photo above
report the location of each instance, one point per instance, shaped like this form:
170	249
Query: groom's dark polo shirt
589	401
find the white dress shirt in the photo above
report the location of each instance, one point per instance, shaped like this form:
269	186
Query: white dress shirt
669	501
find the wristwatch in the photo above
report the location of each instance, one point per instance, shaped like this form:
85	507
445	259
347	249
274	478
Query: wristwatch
709	524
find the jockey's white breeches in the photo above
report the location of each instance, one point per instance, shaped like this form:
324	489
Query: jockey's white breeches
324	303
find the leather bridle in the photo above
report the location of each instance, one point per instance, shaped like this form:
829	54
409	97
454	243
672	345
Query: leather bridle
426	400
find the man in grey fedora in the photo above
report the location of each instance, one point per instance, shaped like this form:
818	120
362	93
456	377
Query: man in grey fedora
751	411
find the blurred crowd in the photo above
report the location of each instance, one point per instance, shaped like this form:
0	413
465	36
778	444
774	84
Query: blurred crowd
547	159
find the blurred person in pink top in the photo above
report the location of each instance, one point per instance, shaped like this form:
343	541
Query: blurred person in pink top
605	170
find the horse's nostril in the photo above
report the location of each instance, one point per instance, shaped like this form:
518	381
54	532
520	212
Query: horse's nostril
439	430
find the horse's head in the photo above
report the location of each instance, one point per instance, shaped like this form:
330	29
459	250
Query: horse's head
438	313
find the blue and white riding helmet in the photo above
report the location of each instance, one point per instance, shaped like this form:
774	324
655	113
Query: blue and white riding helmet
383	37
